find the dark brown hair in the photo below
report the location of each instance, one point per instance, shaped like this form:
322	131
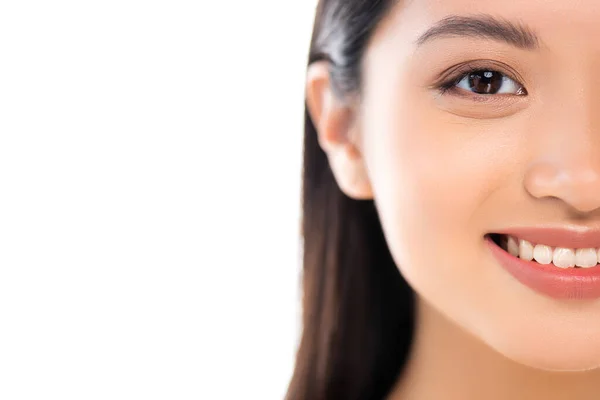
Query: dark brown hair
358	311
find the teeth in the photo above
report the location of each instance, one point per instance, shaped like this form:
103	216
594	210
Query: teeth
542	254
586	258
560	256
563	258
513	246
525	250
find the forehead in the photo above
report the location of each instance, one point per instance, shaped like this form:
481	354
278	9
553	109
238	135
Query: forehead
574	23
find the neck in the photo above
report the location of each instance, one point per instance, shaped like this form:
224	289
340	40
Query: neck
448	363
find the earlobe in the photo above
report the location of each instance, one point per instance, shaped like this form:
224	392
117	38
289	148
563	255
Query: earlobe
336	125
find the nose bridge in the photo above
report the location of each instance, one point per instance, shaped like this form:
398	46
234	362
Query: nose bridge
576	146
567	161
579	134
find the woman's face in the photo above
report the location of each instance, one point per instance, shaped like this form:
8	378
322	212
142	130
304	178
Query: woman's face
491	126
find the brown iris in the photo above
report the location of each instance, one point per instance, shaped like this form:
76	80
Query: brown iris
485	82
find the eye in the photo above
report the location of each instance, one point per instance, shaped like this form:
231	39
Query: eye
489	82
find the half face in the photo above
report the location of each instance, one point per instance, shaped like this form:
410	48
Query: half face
480	129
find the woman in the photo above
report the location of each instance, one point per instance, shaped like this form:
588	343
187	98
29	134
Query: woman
451	201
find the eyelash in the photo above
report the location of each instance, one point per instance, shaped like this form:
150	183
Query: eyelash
450	85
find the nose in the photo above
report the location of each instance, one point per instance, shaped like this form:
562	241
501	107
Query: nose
570	172
566	140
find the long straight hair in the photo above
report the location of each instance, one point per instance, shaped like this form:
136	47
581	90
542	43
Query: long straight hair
358	311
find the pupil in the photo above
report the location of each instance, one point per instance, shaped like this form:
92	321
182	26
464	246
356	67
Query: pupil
485	82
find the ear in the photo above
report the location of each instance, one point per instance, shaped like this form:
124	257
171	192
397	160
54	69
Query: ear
338	132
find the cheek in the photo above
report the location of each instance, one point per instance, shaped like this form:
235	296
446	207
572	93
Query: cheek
440	185
433	178
430	177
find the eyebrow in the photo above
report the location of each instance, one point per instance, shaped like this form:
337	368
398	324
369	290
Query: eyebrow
486	26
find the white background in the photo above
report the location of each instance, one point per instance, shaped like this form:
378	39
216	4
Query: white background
149	197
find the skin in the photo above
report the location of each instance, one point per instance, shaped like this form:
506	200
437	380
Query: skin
445	169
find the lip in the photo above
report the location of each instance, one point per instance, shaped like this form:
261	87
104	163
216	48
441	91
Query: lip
557	237
548	280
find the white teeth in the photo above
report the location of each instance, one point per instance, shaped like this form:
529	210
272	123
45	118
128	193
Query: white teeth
525	250
586	258
543	254
563	258
513	246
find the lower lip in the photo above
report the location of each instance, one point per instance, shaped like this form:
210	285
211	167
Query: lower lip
551	281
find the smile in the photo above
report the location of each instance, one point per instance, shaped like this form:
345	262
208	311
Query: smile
557	263
561	257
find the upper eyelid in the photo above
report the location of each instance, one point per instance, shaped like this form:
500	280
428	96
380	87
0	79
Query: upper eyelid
460	70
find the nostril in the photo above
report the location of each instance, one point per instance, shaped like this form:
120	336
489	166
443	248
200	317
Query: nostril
576	182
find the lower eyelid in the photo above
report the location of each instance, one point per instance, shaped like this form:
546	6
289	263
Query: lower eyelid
480	109
480	98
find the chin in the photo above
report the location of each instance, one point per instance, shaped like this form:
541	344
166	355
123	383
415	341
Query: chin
570	363
553	354
556	364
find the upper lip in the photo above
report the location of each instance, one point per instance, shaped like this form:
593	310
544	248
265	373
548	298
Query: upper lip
567	237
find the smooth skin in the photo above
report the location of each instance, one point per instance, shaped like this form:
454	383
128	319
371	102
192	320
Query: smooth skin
444	169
